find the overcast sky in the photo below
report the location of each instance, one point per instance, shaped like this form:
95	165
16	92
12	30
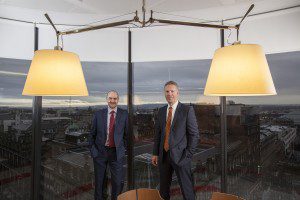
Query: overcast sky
149	78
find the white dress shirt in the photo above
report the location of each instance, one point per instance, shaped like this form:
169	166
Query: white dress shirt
173	111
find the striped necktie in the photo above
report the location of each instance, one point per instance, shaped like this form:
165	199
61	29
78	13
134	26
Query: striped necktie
167	129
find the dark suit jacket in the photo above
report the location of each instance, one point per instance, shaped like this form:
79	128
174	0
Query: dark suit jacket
184	135
98	133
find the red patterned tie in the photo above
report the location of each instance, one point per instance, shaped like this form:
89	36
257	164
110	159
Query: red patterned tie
111	142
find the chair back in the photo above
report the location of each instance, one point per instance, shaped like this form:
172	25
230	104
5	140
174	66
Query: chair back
129	195
224	196
140	194
148	194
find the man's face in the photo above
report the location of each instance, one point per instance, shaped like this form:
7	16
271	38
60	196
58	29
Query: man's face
112	99
171	94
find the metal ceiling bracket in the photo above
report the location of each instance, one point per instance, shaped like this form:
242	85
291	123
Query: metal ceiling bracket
55	29
144	23
239	24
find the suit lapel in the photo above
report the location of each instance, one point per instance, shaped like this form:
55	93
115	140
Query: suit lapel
104	114
118	117
176	115
163	120
164	116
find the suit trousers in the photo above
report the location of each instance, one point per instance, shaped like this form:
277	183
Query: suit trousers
109	158
184	177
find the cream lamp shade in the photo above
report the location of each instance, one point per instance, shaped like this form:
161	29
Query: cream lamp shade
55	73
239	70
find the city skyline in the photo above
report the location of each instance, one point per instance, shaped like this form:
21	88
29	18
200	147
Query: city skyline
149	78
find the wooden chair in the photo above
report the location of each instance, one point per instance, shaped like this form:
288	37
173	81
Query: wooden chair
148	194
129	195
140	194
224	196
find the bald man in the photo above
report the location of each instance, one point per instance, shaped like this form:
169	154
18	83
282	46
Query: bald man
107	145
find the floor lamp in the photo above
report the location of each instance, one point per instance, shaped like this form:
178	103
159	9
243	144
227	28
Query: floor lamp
237	70
51	73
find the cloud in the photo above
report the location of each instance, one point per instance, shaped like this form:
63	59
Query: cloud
15	102
64	103
207	99
149	79
12	73
285	71
137	100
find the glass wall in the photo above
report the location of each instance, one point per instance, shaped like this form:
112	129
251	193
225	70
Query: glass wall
67	167
15	131
263	132
263	155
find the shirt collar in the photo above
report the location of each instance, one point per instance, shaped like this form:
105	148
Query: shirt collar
174	105
109	109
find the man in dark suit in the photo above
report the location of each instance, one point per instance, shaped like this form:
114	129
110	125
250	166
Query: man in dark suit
107	145
176	138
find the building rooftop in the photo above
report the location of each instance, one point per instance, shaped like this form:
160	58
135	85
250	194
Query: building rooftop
77	159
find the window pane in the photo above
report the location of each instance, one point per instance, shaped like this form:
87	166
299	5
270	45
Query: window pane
149	97
263	135
263	132
67	167
15	130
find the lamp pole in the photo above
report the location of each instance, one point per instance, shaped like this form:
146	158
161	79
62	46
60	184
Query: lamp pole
36	138
223	133
130	172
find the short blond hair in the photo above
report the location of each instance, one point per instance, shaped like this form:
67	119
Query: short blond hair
171	83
